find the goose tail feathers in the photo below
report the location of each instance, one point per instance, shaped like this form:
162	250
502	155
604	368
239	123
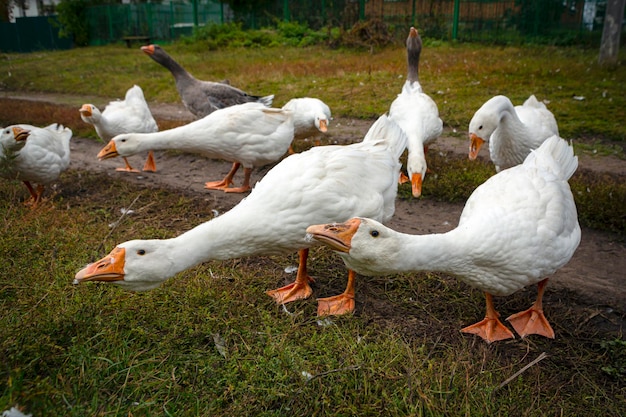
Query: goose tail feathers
556	156
388	131
267	100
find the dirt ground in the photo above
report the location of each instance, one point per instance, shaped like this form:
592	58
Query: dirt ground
597	272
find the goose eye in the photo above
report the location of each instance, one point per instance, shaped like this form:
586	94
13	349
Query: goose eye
374	233
123	140
480	127
141	252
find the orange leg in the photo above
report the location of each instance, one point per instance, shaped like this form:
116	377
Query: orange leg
339	304
35	195
150	164
226	182
490	328
532	321
298	289
246	183
127	168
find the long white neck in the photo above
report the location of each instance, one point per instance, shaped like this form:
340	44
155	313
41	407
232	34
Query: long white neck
240	232
192	137
412	253
511	136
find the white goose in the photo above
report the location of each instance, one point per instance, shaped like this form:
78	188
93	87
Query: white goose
517	228
131	115
311	117
45	154
417	114
249	134
512	132
322	184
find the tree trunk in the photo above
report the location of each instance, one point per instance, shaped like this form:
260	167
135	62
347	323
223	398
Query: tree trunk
611	32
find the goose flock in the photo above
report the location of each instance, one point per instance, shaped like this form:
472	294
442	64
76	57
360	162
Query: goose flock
516	229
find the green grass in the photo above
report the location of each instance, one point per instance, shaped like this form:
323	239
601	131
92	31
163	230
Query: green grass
210	342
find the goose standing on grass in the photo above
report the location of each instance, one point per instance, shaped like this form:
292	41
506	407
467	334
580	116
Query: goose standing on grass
323	184
417	114
517	228
512	132
311	116
202	97
247	134
43	157
131	115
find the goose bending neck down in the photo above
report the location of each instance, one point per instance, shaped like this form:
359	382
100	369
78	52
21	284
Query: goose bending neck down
316	186
417	114
516	229
249	134
512	132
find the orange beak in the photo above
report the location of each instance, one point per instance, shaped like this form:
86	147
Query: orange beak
336	235
110	268
416	184
149	49
85	110
20	134
109	151
475	144
323	125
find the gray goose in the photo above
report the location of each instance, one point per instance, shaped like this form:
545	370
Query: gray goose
202	97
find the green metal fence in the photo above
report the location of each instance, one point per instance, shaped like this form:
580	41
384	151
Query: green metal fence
113	22
503	21
29	34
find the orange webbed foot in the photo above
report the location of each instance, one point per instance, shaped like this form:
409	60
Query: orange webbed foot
127	167
150	165
490	329
241	189
292	292
217	185
531	321
335	306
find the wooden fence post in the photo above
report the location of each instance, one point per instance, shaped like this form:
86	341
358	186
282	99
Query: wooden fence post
611	32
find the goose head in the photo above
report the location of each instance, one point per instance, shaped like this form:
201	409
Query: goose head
481	127
321	122
149	49
157	53
486	120
365	245
90	113
121	145
137	265
13	138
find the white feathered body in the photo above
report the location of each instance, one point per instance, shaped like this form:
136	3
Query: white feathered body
45	154
131	115
249	133
517	228
418	116
323	184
